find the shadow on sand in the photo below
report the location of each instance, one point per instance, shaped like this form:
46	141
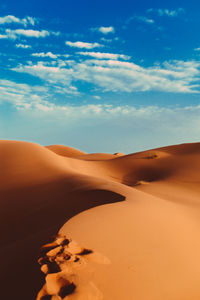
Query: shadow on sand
28	217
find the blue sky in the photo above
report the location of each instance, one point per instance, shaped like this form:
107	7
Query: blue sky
100	75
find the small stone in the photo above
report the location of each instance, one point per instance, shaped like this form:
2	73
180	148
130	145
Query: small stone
74	248
44	268
54	282
54	251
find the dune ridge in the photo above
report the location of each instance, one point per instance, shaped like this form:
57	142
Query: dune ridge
126	226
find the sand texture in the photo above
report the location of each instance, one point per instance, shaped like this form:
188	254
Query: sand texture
98	226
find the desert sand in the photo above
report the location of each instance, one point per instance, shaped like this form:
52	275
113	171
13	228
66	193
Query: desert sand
99	226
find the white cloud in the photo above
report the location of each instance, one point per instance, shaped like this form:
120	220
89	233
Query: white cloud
197	49
31	20
144	19
141	19
125	128
57	76
104	30
53	56
9	19
22	46
79	44
102	55
3	36
13	34
106	40
120	76
97	97
12	19
29	97
23	96
52	74
48	54
167	12
17	33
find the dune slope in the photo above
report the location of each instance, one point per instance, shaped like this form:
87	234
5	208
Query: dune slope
124	226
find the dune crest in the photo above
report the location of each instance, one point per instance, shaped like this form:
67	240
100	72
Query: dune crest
135	220
65	151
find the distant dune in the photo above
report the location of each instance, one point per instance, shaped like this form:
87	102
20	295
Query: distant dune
99	226
65	151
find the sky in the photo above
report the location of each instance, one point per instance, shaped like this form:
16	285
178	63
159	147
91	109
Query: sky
100	76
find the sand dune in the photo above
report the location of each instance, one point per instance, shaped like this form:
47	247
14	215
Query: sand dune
121	226
65	151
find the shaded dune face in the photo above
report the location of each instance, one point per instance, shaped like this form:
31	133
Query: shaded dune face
41	188
183	149
25	231
147	174
38	193
55	208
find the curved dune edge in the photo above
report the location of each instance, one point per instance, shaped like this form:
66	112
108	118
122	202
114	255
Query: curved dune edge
139	212
65	151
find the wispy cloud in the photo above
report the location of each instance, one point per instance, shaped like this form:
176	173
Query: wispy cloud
23	46
53	56
30	33
166	12
119	76
85	45
28	97
119	125
102	55
58	75
97	97
142	19
23	96
48	54
106	40
12	19
104	30
3	36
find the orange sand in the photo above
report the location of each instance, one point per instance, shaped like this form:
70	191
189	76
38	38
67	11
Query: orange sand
125	226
